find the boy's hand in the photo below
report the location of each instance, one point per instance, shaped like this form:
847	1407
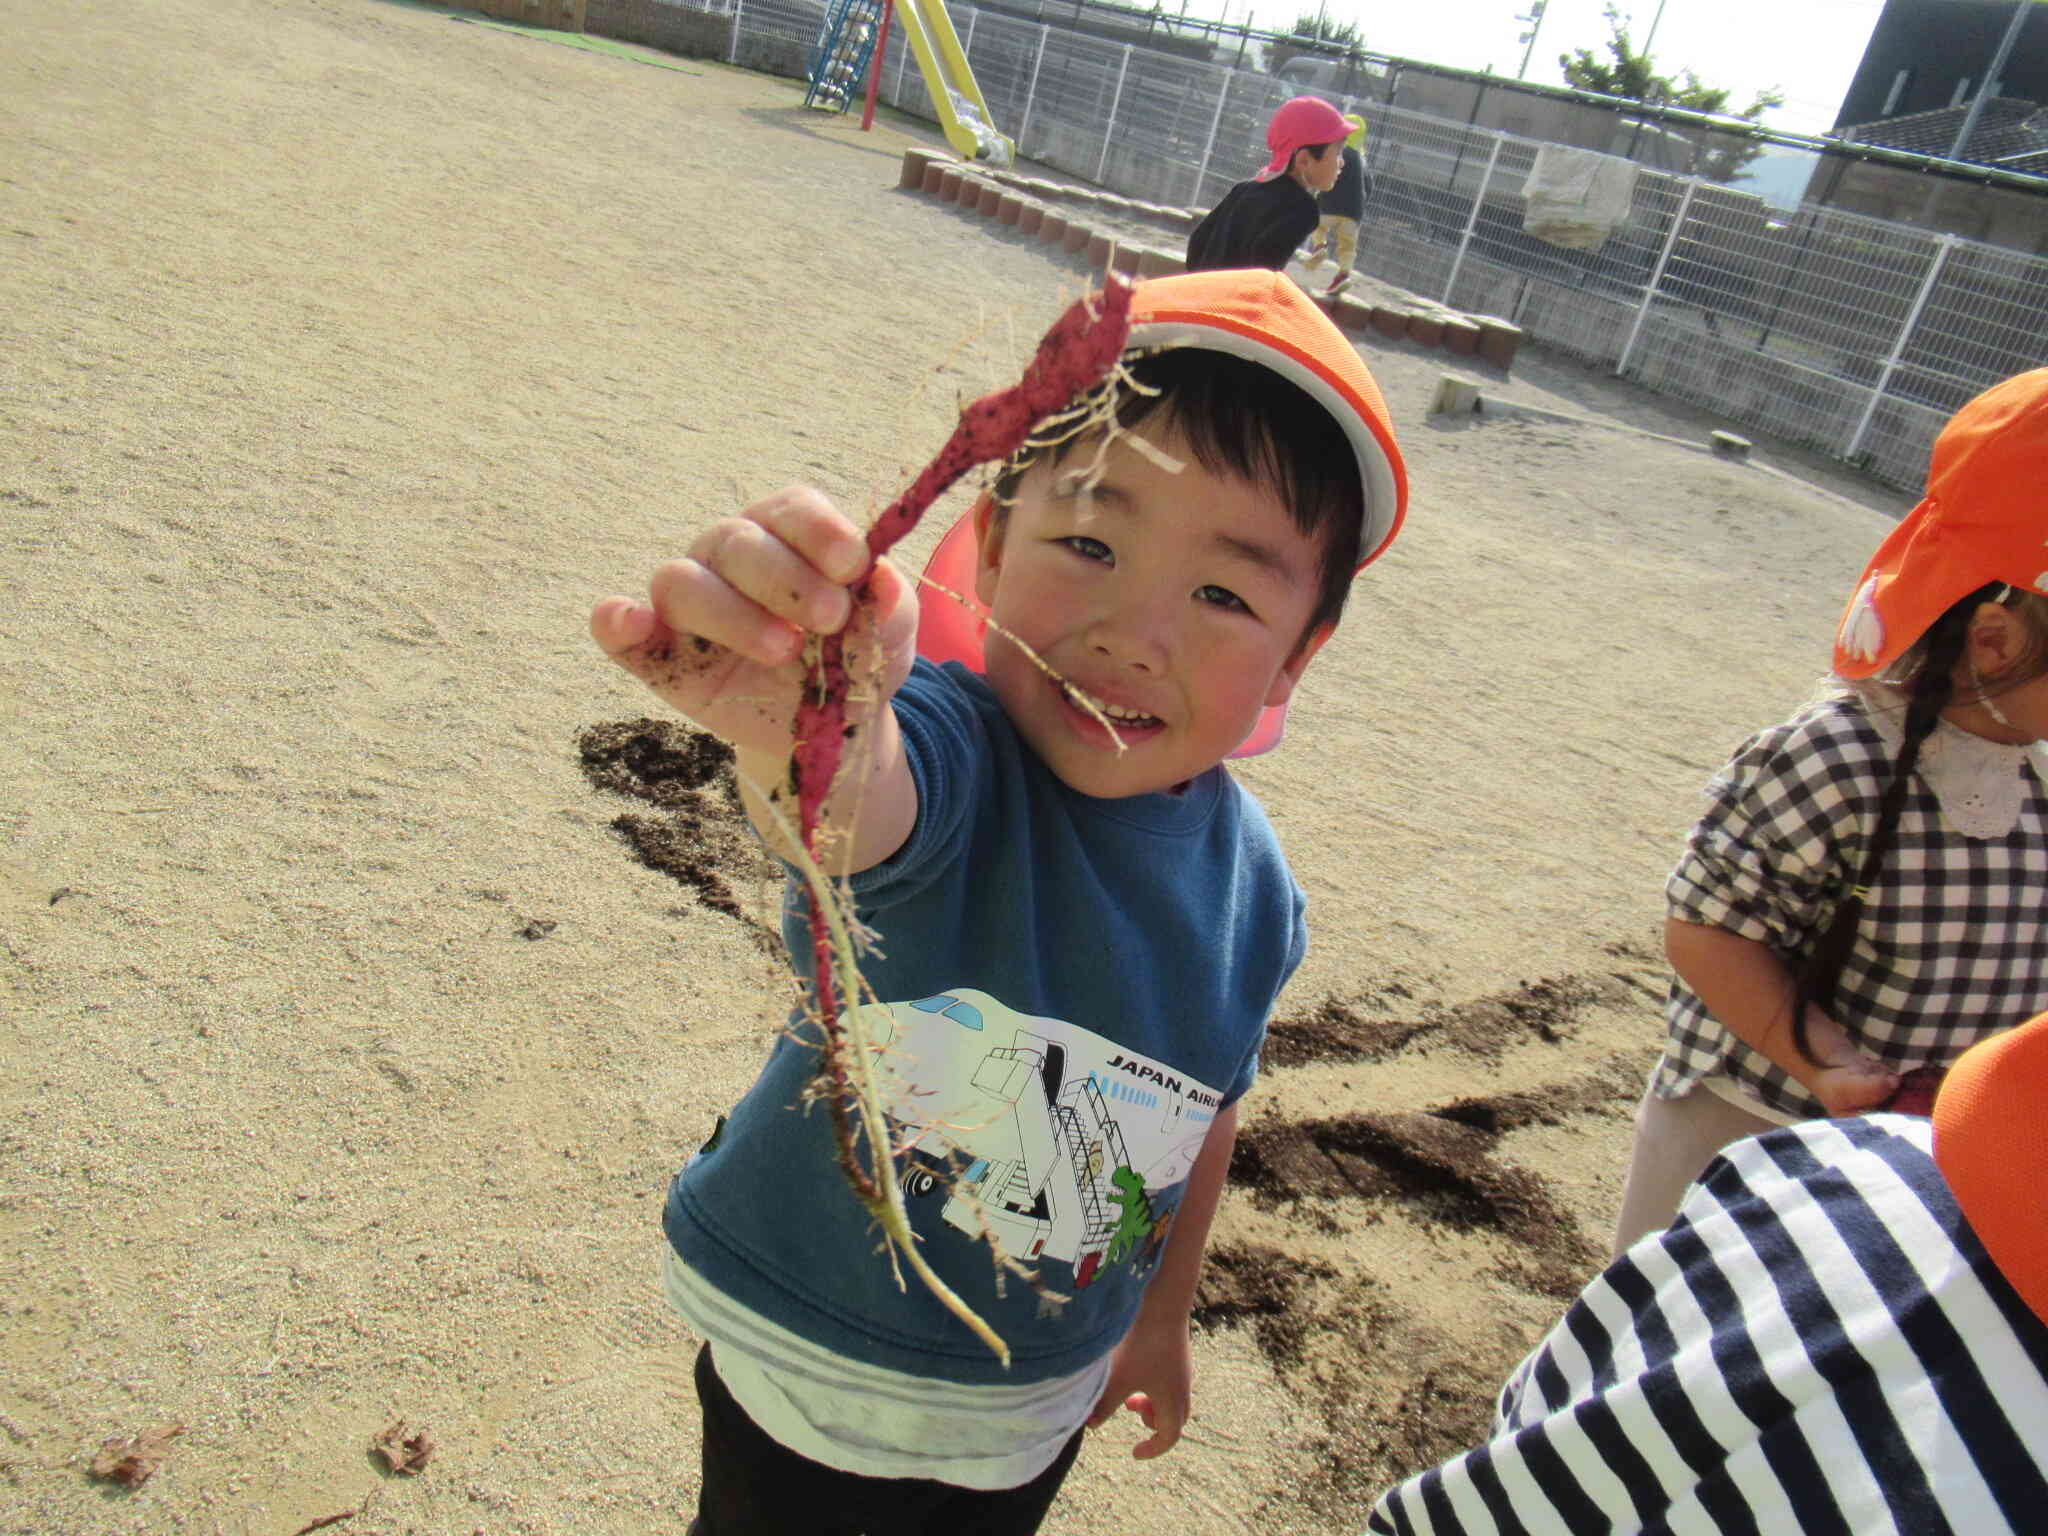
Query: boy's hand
1152	1374
722	633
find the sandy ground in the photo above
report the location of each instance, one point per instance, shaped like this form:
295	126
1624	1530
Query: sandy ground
347	353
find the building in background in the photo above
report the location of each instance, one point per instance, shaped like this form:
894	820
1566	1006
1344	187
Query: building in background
1928	55
1916	91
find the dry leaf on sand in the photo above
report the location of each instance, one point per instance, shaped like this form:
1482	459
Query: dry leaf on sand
130	1461
404	1454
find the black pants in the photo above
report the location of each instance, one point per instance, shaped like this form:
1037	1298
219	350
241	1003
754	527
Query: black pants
756	1486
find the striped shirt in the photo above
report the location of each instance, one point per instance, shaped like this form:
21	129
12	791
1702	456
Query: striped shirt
1952	946
1818	1343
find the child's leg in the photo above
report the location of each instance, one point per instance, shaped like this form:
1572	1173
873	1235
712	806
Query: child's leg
1675	1140
1312	253
1005	1512
1346	233
756	1486
753	1484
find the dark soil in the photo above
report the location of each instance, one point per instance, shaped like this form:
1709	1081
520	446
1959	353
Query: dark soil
659	761
1260	1288
1394	1394
1337	1031
1440	1170
701	838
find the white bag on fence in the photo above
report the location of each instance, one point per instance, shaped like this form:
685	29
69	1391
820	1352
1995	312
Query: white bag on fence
1577	197
994	148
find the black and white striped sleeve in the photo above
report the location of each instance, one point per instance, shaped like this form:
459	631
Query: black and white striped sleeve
1818	1343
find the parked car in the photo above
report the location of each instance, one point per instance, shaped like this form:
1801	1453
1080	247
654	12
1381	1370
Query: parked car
1334	77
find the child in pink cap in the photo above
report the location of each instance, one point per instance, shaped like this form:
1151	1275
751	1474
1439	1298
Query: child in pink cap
1261	222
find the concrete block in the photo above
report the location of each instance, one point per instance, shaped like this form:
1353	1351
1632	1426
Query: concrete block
1390	320
914	162
1499	340
1729	446
934	176
1125	258
1352	313
1009	208
1100	244
990	200
1455	394
1030	216
1461	335
950	178
1078	236
1052	228
1426	327
1154	262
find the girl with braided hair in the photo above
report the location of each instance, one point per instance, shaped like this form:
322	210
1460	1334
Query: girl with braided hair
1866	895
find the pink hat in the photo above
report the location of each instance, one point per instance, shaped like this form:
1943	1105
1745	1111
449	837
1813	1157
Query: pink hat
1300	124
1263	317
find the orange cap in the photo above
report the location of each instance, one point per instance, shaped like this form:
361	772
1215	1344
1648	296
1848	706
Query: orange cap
1991	1144
1255	314
1984	519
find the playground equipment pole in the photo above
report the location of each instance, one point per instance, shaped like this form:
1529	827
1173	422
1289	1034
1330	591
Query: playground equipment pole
867	112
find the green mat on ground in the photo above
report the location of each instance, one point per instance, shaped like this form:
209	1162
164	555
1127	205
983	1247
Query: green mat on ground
581	40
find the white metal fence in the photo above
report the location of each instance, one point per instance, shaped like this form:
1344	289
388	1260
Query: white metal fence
1847	334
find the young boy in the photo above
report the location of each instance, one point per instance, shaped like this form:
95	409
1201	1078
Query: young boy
1080	936
1261	222
1341	208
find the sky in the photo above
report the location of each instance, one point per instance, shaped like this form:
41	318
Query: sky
1806	49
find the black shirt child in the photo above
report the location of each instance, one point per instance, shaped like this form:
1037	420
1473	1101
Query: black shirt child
1258	224
1346	197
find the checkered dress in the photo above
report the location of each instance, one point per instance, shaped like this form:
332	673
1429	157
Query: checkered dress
1953	942
1819	1342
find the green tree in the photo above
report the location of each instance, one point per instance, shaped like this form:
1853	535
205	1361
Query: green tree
1317	27
1634	77
1314	32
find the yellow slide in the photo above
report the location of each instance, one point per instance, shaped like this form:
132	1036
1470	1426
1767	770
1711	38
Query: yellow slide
962	113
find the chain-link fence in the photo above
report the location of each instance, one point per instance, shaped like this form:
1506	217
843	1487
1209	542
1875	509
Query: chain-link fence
1843	333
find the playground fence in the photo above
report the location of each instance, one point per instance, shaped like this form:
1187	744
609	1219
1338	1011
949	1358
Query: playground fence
1846	334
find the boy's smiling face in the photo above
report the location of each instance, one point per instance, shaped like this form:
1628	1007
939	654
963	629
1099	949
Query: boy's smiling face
1175	601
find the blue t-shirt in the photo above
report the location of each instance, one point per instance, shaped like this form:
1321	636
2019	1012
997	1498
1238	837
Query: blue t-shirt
1071	989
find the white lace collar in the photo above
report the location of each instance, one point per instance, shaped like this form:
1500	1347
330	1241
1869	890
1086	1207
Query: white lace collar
1980	785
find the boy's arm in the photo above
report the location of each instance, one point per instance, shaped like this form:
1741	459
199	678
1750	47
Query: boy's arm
1749	991
1152	1371
721	638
